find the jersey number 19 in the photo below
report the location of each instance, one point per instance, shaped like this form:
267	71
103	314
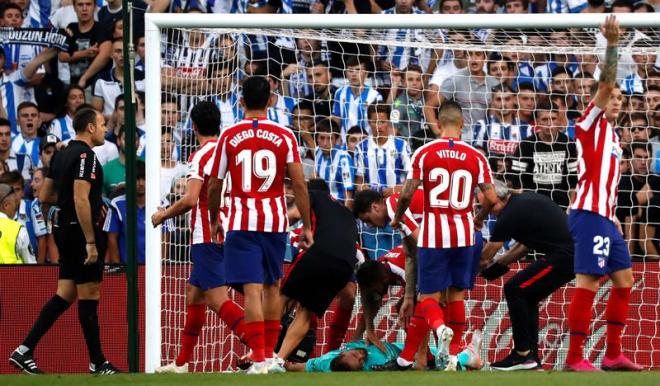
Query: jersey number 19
261	164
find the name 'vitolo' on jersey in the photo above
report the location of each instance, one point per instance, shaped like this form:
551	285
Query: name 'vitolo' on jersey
449	170
255	153
599	155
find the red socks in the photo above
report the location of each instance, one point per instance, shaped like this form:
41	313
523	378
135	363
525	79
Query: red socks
195	319
254	336
432	313
417	330
271	333
233	316
579	318
456	321
338	327
616	314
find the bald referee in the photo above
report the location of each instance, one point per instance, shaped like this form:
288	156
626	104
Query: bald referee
539	224
75	184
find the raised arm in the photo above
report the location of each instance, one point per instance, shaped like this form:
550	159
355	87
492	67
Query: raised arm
610	30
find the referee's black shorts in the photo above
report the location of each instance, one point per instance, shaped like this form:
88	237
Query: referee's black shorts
72	246
315	279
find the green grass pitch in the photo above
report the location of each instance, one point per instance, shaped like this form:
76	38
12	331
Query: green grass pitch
345	379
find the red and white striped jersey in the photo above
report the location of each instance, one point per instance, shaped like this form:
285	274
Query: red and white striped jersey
200	219
395	259
599	169
412	216
255	153
449	170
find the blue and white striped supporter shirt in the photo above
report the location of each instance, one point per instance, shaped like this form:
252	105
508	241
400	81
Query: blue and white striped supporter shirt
218	6
27	146
400	56
17	56
565	6
282	111
632	84
21	163
35	225
500	138
39	13
336	170
543	73
62	128
258	44
383	166
230	109
14	90
352	109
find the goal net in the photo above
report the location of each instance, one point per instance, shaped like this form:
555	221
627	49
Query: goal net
521	84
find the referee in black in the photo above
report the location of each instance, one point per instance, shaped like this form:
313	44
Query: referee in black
539	224
75	183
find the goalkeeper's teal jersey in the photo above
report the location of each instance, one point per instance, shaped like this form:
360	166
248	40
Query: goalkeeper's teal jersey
375	357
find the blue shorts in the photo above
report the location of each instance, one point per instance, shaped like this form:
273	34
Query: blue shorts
599	247
441	268
476	258
254	257
208	270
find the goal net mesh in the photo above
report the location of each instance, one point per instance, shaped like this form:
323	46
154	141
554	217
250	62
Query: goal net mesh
504	81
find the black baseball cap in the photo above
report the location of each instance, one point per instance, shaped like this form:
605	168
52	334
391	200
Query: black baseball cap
48	140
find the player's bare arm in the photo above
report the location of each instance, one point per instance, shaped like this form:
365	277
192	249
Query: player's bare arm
407	307
610	30
214	193
407	192
371	303
81	190
183	205
299	186
48	194
490	199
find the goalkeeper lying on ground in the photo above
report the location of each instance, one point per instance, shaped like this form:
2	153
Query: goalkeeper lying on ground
360	356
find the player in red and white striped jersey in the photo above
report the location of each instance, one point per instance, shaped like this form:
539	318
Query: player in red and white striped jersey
257	153
449	171
600	248
206	285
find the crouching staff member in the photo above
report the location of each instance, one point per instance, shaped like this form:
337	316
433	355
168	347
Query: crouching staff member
323	270
536	223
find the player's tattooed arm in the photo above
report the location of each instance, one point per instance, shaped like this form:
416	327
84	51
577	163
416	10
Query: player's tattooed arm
405	197
610	30
410	248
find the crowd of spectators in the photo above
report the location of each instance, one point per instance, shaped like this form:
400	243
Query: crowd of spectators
359	109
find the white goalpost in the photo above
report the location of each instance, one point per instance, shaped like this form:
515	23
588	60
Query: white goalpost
167	265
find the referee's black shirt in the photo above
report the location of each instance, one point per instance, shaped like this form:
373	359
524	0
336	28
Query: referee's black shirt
76	162
537	222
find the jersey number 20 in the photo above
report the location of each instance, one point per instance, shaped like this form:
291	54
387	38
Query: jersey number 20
459	184
261	164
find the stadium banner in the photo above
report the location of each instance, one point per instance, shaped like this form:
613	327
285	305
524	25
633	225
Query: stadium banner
24	289
35	37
